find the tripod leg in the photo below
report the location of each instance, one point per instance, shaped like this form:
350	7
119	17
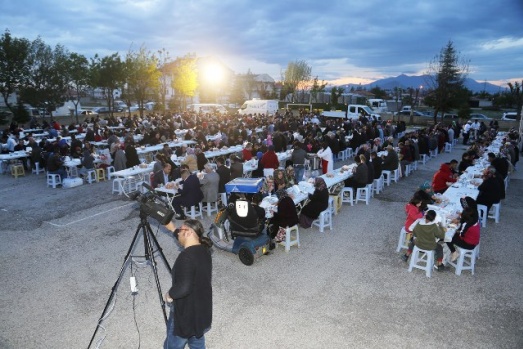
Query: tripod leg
115	286
149	248
158	248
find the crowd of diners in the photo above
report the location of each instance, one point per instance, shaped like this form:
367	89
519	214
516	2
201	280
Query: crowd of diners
422	227
262	137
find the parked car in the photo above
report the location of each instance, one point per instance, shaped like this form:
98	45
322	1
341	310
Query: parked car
102	110
450	116
479	117
88	112
510	116
414	112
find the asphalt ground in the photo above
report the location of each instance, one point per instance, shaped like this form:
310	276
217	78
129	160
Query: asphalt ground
62	251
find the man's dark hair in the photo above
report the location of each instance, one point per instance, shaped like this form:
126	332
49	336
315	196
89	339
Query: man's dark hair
453	161
430	215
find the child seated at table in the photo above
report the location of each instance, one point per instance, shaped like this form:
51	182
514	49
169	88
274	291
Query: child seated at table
425	232
468	232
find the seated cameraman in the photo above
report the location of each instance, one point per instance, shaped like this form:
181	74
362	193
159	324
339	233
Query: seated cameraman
189	193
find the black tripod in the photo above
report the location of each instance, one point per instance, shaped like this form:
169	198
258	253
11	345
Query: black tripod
151	246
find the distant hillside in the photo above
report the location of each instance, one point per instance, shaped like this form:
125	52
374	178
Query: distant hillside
405	81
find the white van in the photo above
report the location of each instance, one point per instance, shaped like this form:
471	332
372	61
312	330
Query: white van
378	105
259	106
207	108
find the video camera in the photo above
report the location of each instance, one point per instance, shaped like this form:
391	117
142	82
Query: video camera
153	205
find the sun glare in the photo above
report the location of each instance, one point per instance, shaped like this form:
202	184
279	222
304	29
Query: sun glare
213	73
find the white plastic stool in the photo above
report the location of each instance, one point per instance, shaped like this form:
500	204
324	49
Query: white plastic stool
210	208
408	170
348	153
386	176
223	198
72	172
482	213
289	240
433	153
423	158
37	169
346	195
377	185
402	241
91	176
425	257
341	156
465	261
448	147
396	175
53	179
109	171
363	194
495	212
324	220
193	212
118	185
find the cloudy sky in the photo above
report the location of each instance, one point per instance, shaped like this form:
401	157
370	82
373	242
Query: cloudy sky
343	41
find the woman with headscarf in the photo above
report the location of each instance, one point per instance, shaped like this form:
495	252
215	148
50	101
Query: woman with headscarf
318	202
468	231
279	180
286	215
290	176
190	160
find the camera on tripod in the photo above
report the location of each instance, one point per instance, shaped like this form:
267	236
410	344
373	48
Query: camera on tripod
153	205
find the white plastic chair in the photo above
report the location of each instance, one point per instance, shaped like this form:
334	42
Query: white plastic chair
425	257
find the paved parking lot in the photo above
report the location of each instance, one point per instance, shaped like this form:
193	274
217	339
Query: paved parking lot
62	250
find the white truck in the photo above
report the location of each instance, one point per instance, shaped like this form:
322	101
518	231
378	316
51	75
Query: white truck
378	105
353	112
259	106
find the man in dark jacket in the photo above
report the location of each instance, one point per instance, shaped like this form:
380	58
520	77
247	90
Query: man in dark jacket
492	190
390	161
377	163
224	172
189	193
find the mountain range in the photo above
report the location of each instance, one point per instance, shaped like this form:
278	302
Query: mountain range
404	81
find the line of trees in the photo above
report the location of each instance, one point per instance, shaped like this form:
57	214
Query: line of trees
45	77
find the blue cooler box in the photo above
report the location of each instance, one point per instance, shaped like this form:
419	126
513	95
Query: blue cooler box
244	185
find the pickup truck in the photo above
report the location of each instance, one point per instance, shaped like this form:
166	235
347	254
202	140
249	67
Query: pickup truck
353	112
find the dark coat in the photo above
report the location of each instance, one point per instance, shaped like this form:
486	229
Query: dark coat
489	192
225	177
191	194
286	215
390	162
377	163
132	156
319	201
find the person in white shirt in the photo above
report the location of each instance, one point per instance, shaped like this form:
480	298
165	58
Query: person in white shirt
327	160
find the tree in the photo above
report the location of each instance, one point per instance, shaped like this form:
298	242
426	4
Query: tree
78	75
336	93
185	78
165	77
516	90
14	66
142	77
378	92
296	76
47	85
107	73
446	76
316	89
249	83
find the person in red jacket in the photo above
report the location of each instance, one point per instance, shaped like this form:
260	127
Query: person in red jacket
468	232
270	159
247	152
445	176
